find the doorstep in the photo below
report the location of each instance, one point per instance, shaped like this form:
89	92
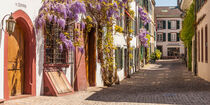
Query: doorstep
1	101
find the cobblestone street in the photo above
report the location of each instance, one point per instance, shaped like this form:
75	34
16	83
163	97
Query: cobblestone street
167	82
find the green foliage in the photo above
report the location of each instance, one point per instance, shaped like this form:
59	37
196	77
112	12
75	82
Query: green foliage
189	49
188	31
118	29
148	49
158	54
188	28
153	56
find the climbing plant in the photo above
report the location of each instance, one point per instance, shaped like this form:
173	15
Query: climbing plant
103	14
188	31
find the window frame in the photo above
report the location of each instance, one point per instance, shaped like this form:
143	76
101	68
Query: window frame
160	24
172	26
159	37
206	43
67	53
202	55
198	44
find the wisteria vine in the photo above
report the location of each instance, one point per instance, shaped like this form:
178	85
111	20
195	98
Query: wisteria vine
61	13
143	32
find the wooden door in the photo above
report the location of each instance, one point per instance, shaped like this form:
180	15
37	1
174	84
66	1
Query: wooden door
16	62
92	57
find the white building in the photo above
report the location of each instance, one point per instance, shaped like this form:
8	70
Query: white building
169	24
22	64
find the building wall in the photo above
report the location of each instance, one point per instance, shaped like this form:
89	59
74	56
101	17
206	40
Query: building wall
31	8
152	25
165	45
203	67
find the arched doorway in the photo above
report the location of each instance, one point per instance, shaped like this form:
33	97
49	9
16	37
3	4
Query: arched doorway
20	58
16	61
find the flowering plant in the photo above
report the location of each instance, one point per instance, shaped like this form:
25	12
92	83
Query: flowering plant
143	16
61	13
143	32
142	36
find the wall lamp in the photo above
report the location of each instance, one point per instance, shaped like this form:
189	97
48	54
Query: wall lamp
10	25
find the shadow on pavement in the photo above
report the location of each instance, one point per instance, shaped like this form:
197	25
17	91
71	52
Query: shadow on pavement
166	82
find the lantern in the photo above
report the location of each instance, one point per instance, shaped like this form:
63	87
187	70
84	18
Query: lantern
10	25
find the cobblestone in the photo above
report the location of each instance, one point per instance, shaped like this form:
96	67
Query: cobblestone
164	83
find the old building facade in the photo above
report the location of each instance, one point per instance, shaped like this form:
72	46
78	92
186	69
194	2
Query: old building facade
169	24
25	65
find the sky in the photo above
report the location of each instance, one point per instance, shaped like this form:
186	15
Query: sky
166	2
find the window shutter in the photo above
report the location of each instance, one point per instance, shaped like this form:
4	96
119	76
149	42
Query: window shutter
164	24
177	24
177	37
121	62
116	57
164	36
119	58
169	36
169	24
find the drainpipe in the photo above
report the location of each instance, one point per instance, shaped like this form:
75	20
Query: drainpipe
195	50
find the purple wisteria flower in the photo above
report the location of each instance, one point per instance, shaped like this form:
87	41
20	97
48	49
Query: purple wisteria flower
98	7
49	17
143	16
61	47
115	4
81	49
142	37
61	23
83	25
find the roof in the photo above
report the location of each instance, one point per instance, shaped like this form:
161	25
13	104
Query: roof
167	12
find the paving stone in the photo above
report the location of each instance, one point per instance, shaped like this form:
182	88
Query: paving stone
165	83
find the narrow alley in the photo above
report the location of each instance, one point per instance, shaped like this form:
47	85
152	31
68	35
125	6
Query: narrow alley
166	82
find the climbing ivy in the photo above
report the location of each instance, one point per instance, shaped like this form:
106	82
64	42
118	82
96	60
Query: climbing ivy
187	32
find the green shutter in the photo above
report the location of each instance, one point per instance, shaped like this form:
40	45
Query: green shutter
177	37
164	24
121	62
169	37
164	36
169	24
177	24
116	57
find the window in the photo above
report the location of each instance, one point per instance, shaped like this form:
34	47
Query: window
131	58
161	24
160	37
173	37
177	24
177	37
198	46
172	24
173	51
119	58
202	45
146	4
199	4
120	20
206	43
53	54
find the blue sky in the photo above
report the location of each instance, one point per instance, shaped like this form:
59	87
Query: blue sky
166	2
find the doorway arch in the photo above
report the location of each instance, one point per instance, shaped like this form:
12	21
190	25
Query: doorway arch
29	55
